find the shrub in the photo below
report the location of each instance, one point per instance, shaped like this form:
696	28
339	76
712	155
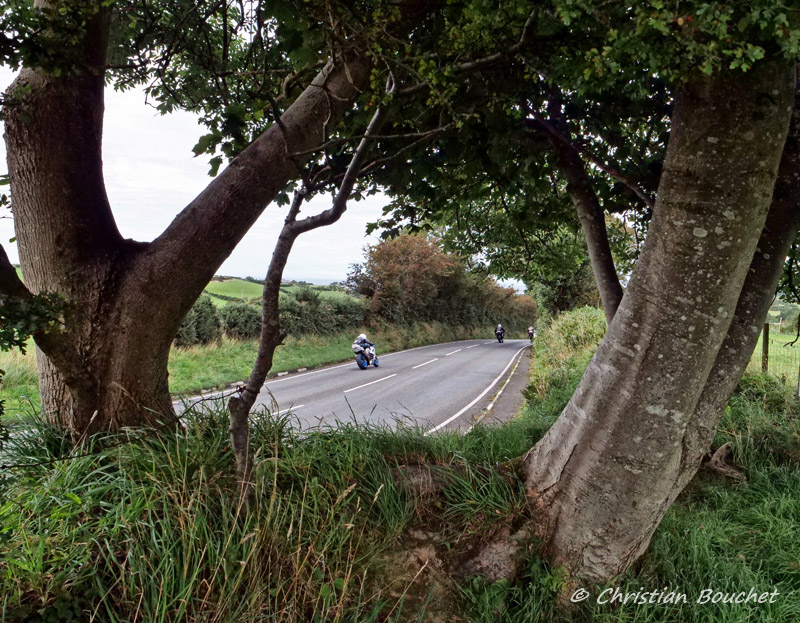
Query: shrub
201	325
565	345
241	321
410	279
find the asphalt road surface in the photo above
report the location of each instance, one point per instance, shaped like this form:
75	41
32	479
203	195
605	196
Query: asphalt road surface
440	387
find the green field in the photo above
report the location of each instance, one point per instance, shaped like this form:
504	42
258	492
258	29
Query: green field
784	359
326	294
247	291
237	288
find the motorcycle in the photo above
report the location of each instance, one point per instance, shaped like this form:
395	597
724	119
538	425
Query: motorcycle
531	334
365	355
500	335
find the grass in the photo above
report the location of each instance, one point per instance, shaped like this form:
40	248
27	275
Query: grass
247	291
151	530
329	294
213	366
20	386
784	360
236	288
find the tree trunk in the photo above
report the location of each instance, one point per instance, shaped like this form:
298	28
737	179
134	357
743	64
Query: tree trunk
590	213
107	368
755	299
600	481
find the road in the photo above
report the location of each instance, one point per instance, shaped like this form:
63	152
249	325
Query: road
440	387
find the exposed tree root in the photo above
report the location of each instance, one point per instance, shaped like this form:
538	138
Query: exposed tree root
718	463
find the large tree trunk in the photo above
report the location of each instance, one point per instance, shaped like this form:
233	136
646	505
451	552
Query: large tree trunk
69	244
600	481
108	367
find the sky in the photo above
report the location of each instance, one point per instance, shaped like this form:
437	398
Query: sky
151	174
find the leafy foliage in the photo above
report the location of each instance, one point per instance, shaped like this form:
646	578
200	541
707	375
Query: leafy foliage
20	318
201	325
240	320
409	278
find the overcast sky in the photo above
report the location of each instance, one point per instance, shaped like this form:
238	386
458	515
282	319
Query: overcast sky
151	174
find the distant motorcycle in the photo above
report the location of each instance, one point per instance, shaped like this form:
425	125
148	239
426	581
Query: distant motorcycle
365	355
500	335
531	333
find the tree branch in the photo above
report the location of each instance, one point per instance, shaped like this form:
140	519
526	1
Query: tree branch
208	229
10	283
271	334
580	149
481	63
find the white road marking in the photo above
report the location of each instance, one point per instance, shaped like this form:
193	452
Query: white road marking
473	346
289	377
289	409
482	394
294	376
352	389
488	342
453	353
425	364
491	404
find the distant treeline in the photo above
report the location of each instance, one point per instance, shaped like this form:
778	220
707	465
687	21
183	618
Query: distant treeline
402	281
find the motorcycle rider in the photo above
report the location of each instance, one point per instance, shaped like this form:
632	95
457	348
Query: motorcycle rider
362	341
360	345
499	331
531	332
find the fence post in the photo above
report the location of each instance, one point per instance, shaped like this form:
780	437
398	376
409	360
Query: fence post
765	349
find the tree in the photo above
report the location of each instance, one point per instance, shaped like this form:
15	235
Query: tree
644	414
272	82
601	479
674	325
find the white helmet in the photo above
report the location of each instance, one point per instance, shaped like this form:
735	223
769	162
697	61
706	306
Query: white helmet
362	336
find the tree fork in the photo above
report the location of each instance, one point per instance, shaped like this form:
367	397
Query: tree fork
271	335
602	478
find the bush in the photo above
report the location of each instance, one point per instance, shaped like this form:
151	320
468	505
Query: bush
565	345
410	279
308	313
201	325
241	321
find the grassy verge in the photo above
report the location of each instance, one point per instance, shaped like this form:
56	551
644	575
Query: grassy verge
720	535
213	366
151	530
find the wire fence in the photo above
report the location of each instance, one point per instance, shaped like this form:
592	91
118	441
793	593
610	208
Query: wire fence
781	358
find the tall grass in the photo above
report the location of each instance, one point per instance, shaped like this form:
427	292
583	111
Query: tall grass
720	535
152	530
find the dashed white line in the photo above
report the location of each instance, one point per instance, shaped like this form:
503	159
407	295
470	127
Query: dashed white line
352	389
453	353
425	364
473	346
482	394
294	376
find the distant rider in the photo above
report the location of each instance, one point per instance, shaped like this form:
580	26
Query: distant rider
499	331
530	333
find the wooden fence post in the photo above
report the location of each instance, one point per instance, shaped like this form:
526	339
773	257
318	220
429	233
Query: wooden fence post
765	349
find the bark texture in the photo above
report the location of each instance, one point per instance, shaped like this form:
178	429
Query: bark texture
600	481
780	230
126	299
